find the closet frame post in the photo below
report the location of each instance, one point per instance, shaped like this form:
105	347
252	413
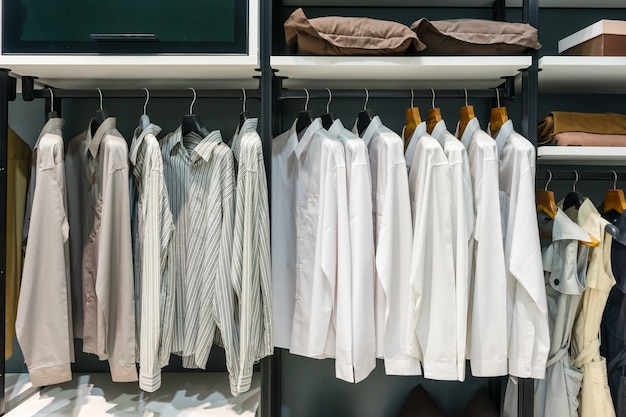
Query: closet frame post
499	10
5	96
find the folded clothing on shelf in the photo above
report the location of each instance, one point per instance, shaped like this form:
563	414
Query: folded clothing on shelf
605	127
335	35
475	37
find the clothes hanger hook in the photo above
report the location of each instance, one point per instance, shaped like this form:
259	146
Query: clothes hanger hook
100	93
195	96
433	91
52	101
330	98
614	180
498	96
549	180
367	98
575	181
145	104
412	97
245	99
465	89
308	97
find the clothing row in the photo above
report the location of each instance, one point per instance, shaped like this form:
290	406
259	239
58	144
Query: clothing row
583	251
176	264
424	259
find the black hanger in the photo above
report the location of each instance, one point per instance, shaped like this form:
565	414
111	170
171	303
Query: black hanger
573	198
328	118
244	115
191	122
305	117
365	116
100	116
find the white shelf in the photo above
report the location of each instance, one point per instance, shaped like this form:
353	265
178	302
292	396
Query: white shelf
444	72
454	3
582	74
581	155
151	71
196	394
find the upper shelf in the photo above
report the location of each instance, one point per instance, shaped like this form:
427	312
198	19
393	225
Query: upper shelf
582	74
454	3
395	72
581	155
150	71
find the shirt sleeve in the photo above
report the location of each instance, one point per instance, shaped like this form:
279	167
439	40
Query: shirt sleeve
362	255
393	260
530	338
432	270
488	324
157	232
43	323
115	283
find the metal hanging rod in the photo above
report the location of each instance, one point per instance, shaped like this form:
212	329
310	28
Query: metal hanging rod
140	93
405	93
544	175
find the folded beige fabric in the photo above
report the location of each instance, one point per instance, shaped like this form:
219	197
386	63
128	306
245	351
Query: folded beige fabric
597	123
588	139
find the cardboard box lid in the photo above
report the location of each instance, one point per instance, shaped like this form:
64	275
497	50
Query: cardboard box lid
608	27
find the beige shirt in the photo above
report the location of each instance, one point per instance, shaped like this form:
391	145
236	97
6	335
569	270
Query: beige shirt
595	397
43	323
107	264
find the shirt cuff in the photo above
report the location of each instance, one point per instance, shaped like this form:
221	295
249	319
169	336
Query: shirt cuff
441	370
405	366
50	375
489	367
149	383
121	372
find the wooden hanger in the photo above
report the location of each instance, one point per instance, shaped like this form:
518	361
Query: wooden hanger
614	199
412	119
498	116
466	114
434	116
545	200
575	199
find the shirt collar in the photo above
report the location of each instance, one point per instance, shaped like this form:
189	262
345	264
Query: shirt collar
94	143
336	127
53	126
503	134
565	228
590	219
204	149
307	137
248	126
472	126
372	128
440	127
138	139
418	133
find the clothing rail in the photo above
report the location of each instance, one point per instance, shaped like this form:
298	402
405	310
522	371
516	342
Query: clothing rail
544	175
504	93
29	95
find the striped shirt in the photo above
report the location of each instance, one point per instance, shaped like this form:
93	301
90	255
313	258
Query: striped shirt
251	264
153	227
200	178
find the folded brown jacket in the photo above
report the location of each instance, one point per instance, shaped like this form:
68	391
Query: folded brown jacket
600	123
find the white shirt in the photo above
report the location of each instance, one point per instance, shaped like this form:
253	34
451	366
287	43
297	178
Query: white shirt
361	251
462	221
488	335
251	265
432	302
392	240
527	312
322	245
